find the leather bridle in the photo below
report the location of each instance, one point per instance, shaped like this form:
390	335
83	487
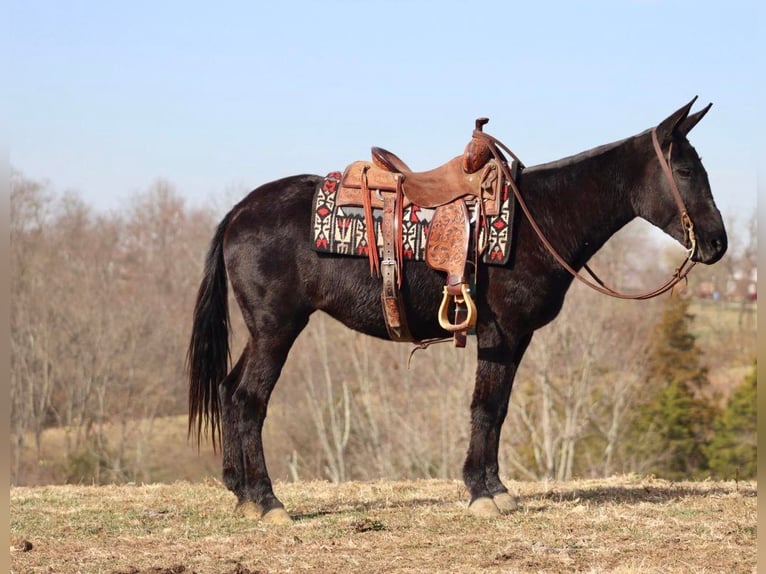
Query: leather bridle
596	283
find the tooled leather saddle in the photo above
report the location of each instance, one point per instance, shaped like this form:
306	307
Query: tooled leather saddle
462	192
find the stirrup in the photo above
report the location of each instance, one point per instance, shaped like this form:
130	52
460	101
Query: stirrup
463	299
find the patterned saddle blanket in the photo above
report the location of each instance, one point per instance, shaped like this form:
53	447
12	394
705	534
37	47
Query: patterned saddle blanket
342	230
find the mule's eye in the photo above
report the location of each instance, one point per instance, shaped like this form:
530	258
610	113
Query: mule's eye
684	172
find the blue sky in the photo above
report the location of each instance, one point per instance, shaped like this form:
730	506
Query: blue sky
106	97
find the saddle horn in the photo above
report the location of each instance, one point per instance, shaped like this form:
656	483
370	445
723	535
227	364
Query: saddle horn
477	152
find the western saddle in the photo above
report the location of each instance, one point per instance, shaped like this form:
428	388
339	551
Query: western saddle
462	191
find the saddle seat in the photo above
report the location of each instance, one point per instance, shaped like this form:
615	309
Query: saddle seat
434	187
430	189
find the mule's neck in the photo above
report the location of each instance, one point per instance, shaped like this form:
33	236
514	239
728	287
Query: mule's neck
581	201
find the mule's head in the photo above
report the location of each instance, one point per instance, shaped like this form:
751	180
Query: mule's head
658	203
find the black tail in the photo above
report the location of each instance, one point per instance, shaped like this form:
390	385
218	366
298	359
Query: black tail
208	356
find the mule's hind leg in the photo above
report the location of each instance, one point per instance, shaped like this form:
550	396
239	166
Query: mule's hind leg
268	350
233	467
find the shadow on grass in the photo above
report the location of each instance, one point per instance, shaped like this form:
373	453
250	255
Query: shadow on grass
351	507
638	493
627	494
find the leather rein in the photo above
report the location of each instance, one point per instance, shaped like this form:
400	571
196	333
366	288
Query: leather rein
596	283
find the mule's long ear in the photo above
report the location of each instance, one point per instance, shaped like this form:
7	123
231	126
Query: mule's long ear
673	121
692	120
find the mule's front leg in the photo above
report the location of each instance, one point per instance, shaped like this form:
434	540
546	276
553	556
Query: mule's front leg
494	380
489	392
504	501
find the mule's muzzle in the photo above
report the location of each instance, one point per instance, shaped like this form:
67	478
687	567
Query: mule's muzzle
711	250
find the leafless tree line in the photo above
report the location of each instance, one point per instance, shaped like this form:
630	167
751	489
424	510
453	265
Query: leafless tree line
100	316
98	308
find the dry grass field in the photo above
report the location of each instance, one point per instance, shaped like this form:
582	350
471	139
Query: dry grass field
626	524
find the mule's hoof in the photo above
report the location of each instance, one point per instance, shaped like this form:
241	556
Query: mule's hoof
253	511
249	510
484	507
506	503
277	516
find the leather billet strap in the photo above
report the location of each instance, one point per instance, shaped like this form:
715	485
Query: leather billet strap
391	267
680	273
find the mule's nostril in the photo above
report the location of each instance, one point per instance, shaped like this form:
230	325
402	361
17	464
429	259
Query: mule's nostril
719	244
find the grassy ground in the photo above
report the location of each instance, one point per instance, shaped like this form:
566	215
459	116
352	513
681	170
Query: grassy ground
618	525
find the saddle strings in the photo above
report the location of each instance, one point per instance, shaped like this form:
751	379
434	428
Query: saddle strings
372	243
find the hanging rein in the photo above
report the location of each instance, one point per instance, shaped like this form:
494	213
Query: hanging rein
596	283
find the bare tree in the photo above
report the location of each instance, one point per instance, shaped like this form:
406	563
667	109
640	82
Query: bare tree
330	407
30	337
98	307
574	387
